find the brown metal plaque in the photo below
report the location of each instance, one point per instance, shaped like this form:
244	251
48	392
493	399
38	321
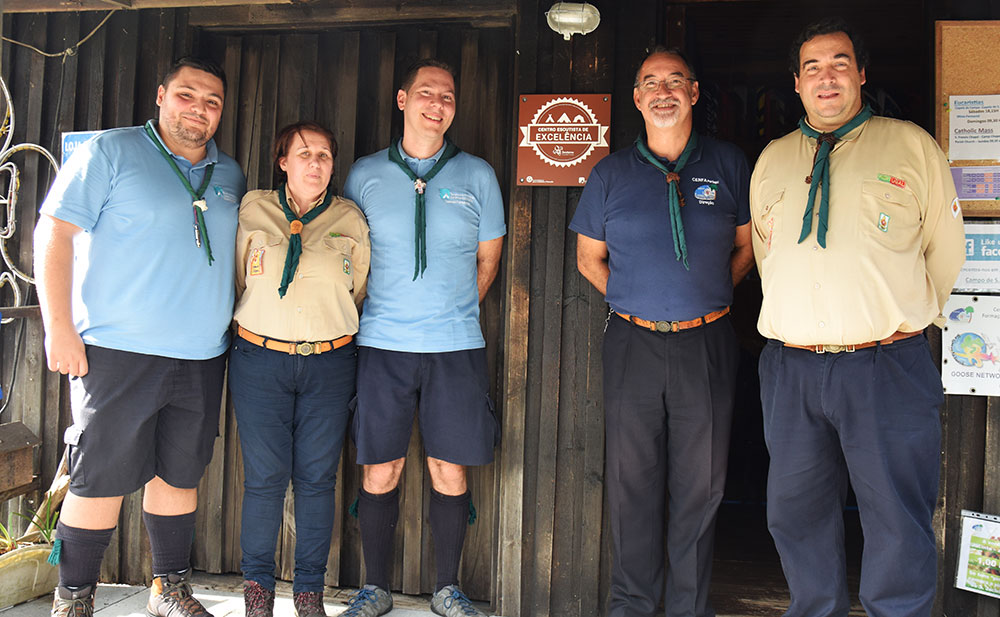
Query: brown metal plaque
561	136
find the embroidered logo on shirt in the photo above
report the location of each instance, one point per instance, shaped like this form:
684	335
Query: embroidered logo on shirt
454	196
223	193
956	208
883	222
893	180
256	262
705	194
347	266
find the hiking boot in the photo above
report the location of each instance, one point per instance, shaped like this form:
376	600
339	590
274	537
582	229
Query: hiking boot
170	596
259	600
451	602
369	601
78	603
308	604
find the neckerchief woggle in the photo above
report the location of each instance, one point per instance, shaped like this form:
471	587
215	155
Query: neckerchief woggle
821	173
675	200
295	225
198	204
420	210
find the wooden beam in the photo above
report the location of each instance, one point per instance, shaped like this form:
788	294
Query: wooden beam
50	6
481	13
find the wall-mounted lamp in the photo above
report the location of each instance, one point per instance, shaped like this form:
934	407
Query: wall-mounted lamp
569	18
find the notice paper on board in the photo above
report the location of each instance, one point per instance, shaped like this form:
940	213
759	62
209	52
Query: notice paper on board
978	567
974	127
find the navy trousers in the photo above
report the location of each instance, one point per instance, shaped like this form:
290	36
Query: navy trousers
292	416
668	411
871	416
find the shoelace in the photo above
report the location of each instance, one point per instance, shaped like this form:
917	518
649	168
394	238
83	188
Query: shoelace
358	601
181	594
463	602
80	607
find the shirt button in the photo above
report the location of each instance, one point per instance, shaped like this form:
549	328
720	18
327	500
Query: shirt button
815	248
816	286
822	325
299	309
887	196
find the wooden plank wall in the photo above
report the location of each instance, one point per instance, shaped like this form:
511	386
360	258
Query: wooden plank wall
345	79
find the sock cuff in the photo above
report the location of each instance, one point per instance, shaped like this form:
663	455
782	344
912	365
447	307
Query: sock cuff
183	519
378	497
464	498
77	534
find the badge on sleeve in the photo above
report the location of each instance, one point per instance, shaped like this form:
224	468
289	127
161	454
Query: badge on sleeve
956	208
347	266
256	267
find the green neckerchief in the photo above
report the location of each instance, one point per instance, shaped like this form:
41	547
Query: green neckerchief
420	214
197	203
294	239
675	200
821	173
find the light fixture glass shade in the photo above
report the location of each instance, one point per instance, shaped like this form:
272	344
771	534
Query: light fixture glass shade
569	18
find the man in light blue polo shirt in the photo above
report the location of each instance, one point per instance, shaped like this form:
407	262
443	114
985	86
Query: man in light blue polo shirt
437	225
135	266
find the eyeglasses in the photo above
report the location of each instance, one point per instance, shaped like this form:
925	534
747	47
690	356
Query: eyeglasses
672	83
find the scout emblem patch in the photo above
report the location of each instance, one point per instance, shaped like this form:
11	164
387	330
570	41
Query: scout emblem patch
892	180
256	262
347	266
956	209
883	222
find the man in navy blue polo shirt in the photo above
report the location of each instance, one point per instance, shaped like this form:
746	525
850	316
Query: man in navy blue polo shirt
135	266
664	234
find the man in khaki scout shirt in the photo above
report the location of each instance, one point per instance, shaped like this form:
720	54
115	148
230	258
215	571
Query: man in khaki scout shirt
858	239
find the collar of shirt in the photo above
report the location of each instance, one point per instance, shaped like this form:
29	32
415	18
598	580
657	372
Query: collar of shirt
211	151
692	159
421	166
294	206
851	136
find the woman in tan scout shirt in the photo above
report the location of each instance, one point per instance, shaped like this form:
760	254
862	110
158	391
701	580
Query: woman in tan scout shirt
302	258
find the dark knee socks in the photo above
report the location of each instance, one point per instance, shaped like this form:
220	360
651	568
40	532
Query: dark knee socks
377	517
81	555
449	516
170	540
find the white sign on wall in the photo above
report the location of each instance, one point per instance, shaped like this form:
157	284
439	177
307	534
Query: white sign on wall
970	345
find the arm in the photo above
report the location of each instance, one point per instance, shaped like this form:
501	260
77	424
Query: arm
592	261
741	259
487	264
54	280
362	262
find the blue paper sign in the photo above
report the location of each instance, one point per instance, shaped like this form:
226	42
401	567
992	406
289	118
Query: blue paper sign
72	140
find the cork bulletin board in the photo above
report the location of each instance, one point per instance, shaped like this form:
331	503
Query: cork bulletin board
967	65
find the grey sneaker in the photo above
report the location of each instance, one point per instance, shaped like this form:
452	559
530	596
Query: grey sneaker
170	596
369	601
78	603
451	602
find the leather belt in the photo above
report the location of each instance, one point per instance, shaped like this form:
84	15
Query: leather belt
674	326
896	336
292	348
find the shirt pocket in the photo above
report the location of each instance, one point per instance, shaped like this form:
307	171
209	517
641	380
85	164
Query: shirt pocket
339	257
265	257
767	222
889	215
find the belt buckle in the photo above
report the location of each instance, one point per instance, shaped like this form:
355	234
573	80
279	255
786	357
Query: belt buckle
304	349
835	348
667	326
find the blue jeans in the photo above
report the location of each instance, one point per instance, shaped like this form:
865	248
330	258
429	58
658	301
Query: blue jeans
292	415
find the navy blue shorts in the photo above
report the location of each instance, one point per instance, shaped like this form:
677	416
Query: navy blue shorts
136	416
457	421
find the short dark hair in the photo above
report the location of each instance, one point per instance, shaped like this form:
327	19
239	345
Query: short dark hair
410	75
659	49
283	141
828	25
201	64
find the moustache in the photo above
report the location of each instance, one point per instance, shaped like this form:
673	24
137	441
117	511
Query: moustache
669	102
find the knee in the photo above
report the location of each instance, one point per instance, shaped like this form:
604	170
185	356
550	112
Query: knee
382	478
447	478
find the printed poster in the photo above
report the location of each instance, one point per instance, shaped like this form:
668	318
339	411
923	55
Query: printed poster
970	345
974	127
981	272
979	555
72	140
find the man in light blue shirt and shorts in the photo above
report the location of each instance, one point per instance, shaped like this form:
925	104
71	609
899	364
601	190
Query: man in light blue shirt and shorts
437	225
134	259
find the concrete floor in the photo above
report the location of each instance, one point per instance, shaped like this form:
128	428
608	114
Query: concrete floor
222	595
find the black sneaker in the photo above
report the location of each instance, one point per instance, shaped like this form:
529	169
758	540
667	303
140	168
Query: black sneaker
170	596
78	603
